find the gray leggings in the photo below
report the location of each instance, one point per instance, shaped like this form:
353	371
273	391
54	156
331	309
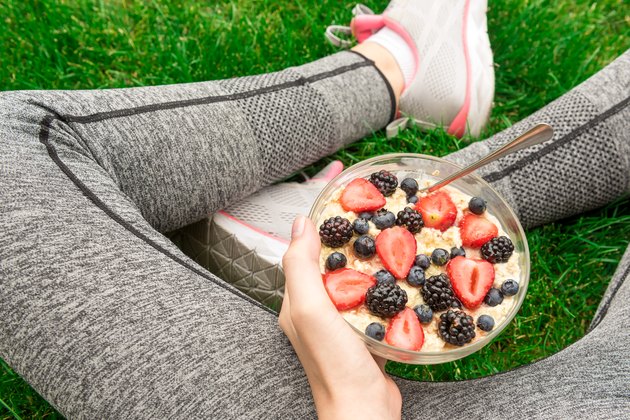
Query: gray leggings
108	319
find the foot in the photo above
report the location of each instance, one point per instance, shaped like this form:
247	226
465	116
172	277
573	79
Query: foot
447	67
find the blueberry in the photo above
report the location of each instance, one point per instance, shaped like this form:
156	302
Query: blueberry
415	276
335	261
384	276
477	205
361	226
494	297
376	331
384	219
364	246
412	199
458	252
422	261
366	215
409	186
509	287
440	256
424	313
485	323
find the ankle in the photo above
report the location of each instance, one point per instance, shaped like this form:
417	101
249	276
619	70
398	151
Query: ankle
386	63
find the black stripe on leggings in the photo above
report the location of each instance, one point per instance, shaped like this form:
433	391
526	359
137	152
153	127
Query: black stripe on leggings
44	138
496	176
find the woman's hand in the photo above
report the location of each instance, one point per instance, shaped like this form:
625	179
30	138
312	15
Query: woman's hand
346	380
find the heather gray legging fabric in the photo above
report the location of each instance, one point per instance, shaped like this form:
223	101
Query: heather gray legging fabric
107	319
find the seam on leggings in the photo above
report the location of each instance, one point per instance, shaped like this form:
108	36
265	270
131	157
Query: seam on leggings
498	175
390	90
601	314
301	81
44	138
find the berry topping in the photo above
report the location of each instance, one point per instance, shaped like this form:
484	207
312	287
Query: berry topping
476	230
384	219
376	331
497	250
361	195
456	327
457	252
411	219
477	205
471	279
385	181
384	276
364	246
335	261
438	210
405	331
361	226
367	215
494	297
485	323
335	232
385	299
422	261
346	287
409	186
397	249
440	256
509	287
438	294
412	199
415	276
424	313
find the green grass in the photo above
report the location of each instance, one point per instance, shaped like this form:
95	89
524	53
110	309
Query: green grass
542	49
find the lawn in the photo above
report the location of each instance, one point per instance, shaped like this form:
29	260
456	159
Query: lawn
542	49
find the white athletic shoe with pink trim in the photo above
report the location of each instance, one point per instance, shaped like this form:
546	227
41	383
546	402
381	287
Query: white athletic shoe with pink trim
453	82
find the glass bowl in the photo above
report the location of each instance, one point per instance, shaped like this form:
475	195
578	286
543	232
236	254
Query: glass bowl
423	167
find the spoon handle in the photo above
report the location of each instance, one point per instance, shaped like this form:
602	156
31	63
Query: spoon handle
538	134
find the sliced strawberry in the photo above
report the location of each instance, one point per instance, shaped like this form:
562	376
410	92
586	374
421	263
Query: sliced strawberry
361	195
438	210
476	230
471	279
405	331
397	248
346	287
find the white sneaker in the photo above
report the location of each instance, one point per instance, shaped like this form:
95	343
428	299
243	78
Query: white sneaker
453	85
244	243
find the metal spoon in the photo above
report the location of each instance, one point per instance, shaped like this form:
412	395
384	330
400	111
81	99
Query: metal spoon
538	134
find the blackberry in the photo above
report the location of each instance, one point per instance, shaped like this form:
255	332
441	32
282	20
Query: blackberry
409	186
438	294
364	246
384	219
422	261
384	276
416	276
458	252
485	323
361	226
497	250
336	232
477	205
509	287
412	199
335	261
424	313
376	331
456	327
385	299
440	256
385	181
494	297
410	219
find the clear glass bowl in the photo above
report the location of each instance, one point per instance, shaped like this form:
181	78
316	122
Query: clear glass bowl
422	167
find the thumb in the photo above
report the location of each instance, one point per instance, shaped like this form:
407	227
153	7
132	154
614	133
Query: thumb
301	265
